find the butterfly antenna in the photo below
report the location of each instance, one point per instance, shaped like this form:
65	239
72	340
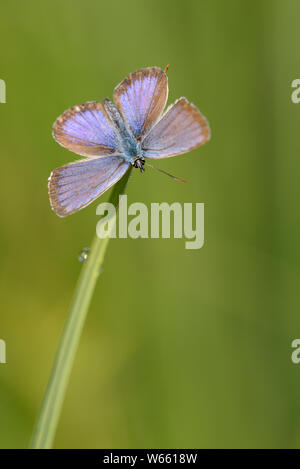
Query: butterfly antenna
166	68
165	172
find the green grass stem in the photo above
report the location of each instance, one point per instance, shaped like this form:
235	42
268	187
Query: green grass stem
45	428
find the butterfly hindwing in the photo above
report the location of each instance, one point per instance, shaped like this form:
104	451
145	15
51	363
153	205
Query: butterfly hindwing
141	99
75	185
86	130
182	128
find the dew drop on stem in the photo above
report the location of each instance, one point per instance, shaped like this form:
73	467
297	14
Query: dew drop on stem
83	255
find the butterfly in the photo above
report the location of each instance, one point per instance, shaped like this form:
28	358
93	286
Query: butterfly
114	135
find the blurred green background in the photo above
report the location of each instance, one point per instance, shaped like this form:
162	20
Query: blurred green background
181	348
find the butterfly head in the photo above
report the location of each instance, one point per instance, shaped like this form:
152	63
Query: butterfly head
138	162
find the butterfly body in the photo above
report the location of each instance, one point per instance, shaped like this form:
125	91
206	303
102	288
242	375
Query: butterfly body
129	147
114	135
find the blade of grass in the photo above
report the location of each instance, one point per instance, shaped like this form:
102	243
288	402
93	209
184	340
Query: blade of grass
45	428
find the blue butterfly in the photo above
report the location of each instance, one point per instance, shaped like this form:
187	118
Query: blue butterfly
113	136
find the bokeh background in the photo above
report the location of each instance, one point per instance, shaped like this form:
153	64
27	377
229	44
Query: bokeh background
181	348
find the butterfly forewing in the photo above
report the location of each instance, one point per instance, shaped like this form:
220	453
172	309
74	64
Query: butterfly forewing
182	128
73	186
141	99
86	130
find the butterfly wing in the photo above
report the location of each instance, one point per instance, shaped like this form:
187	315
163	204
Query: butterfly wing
141	99
75	185
182	128
86	130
